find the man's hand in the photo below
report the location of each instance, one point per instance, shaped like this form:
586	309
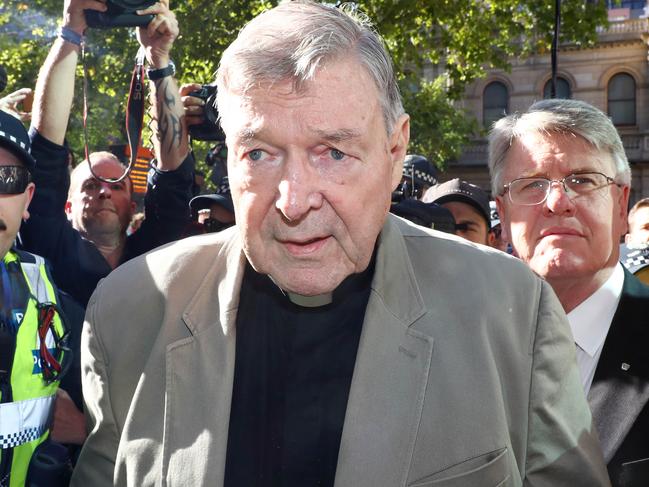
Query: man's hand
73	16
69	424
9	104
194	107
158	37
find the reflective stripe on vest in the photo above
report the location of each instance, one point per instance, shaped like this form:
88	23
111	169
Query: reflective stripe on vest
27	385
24	421
37	284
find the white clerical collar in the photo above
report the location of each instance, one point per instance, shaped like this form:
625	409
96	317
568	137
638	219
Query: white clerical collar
591	320
310	301
305	301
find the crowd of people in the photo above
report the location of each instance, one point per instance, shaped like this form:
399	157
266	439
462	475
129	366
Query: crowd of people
342	317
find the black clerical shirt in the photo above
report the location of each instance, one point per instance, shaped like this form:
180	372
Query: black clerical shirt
293	370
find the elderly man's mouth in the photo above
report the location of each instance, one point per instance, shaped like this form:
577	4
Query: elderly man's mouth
560	232
306	246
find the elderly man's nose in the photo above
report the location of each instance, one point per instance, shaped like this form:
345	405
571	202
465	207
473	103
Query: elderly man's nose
299	191
558	200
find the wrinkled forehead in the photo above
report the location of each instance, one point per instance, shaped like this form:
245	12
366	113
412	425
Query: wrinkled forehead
351	98
565	151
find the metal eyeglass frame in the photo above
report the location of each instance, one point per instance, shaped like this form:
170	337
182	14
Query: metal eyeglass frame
568	191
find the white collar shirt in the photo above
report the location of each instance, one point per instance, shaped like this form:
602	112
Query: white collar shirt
590	322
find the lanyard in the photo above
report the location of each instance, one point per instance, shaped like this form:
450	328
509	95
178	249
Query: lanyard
7	303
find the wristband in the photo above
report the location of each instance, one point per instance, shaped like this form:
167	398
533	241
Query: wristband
156	74
70	36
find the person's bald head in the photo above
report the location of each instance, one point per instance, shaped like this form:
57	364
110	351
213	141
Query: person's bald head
96	208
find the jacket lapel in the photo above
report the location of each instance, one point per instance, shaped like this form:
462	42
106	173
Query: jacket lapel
620	388
199	376
390	375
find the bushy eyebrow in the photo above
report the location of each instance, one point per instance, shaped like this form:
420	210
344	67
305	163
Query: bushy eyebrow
542	175
340	135
246	135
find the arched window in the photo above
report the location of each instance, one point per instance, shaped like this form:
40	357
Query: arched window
621	99
495	102
563	89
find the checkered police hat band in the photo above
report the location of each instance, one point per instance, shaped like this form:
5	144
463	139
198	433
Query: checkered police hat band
422	176
636	261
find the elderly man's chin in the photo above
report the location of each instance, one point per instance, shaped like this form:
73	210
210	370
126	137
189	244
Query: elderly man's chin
309	282
307	277
557	263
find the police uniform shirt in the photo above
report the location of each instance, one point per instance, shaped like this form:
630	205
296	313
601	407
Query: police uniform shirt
293	370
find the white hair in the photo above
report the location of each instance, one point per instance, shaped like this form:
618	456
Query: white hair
557	116
294	39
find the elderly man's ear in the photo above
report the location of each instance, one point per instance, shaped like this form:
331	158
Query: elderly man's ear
504	219
399	146
622	209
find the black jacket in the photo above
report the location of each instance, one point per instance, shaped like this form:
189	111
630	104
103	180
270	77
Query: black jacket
77	265
619	394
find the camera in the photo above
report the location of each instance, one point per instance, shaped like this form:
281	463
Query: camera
209	129
120	13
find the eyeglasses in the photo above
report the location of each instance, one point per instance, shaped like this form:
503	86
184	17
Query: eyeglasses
534	191
13	179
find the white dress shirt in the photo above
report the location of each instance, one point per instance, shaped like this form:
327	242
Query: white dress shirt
590	322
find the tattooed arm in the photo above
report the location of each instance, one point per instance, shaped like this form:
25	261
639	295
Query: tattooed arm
55	85
171	142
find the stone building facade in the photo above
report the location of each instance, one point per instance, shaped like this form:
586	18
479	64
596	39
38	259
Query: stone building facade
613	76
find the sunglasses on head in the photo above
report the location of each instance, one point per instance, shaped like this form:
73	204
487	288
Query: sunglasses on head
13	179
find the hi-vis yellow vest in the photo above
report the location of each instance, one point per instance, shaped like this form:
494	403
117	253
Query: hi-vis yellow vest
24	421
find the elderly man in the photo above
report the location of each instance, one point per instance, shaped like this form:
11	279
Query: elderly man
79	222
562	180
319	341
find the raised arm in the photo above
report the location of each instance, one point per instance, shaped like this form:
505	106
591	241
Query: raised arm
171	142
55	85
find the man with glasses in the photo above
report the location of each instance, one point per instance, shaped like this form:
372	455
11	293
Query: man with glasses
562	183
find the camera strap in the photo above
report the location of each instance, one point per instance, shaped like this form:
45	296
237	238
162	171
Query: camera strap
135	107
134	113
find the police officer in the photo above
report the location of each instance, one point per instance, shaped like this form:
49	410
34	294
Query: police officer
419	174
32	333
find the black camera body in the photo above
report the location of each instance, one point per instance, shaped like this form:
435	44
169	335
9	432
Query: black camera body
210	128
120	13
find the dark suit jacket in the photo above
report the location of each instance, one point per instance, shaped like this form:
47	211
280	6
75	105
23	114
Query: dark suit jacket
619	396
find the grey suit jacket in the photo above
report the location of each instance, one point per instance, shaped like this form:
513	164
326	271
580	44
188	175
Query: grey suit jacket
465	372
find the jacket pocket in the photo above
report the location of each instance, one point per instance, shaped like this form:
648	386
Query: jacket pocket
487	470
